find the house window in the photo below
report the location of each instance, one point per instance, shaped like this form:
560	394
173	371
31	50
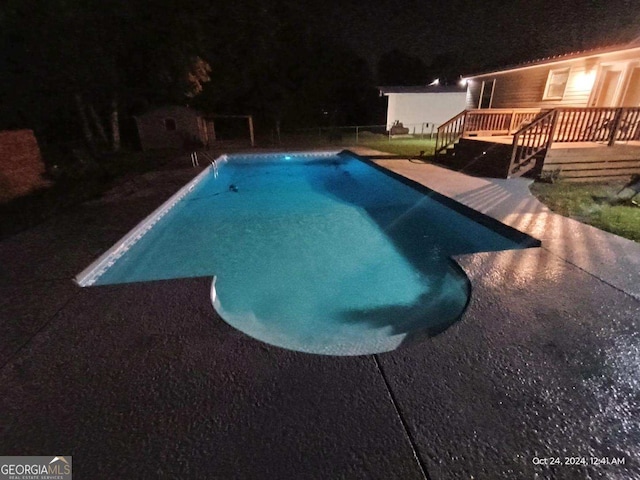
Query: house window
556	83
169	124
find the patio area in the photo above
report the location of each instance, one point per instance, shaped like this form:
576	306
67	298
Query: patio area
146	381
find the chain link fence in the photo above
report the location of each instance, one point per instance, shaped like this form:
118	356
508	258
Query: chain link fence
366	133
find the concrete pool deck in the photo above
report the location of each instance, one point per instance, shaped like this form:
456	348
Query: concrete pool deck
146	381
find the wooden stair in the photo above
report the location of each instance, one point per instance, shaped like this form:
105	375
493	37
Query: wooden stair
479	158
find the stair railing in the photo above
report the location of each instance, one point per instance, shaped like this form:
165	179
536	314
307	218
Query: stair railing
450	132
531	141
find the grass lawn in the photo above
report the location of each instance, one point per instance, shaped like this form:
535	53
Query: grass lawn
405	146
410	147
593	203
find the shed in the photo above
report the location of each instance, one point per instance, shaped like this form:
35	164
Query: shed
416	106
173	127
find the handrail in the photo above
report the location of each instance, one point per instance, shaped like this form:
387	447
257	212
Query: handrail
450	132
498	121
598	124
531	140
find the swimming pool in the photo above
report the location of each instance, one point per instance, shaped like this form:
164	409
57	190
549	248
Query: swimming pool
321	253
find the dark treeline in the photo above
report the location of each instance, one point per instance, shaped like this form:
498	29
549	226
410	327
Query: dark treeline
82	68
74	69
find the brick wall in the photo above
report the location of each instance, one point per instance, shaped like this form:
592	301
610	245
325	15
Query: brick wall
21	166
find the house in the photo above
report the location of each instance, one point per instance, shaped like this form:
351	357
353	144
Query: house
174	127
575	115
423	108
607	77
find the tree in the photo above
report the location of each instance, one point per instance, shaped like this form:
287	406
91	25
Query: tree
93	57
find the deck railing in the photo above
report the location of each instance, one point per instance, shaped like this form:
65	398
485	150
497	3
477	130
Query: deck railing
498	121
494	121
585	124
629	125
450	132
530	141
598	124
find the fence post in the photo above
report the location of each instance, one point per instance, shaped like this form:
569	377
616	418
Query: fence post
357	132
422	131
253	141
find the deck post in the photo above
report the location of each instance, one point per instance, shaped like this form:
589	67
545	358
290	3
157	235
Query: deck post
552	129
511	122
615	125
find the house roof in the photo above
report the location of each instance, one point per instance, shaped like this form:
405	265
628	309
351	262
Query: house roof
634	44
423	89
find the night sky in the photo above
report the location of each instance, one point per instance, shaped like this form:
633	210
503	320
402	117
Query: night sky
289	61
477	33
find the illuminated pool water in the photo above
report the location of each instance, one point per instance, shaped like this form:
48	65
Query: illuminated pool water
316	253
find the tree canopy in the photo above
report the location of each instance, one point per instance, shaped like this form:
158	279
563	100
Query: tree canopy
75	63
75	67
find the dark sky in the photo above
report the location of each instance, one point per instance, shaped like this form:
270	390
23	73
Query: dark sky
481	32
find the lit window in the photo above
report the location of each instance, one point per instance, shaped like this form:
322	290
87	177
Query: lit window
556	83
169	124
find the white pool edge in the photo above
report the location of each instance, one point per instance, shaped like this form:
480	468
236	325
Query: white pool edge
94	271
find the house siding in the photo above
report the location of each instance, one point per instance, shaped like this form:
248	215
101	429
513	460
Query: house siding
524	87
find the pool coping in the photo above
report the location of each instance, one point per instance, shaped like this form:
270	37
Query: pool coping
94	271
522	238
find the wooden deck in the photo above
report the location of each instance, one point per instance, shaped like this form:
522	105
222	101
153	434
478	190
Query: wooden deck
508	140
568	142
583	161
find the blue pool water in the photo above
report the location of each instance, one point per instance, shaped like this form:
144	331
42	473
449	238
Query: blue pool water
321	254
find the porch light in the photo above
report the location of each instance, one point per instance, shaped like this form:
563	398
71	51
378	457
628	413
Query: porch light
584	80
463	82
